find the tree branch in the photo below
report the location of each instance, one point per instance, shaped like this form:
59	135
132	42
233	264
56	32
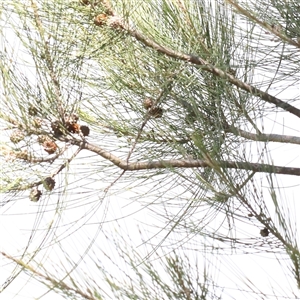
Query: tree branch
278	138
209	68
185	163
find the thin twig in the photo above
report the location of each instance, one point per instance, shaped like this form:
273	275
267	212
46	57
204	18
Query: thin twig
49	61
60	285
273	29
167	87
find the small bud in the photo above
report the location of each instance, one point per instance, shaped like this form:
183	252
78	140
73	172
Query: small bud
264	232
71	123
17	136
73	128
37	122
56	127
49	183
148	103
100	20
35	194
50	146
32	110
85	130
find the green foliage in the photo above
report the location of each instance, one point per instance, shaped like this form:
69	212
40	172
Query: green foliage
211	154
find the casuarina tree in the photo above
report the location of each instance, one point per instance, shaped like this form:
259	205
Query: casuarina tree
185	114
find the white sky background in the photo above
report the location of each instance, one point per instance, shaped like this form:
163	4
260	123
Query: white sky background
17	221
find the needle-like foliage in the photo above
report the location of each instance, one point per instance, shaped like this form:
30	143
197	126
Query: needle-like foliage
184	113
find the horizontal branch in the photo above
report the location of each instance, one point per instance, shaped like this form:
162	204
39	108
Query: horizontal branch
277	138
185	163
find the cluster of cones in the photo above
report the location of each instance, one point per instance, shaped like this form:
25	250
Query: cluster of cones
153	110
71	124
35	193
